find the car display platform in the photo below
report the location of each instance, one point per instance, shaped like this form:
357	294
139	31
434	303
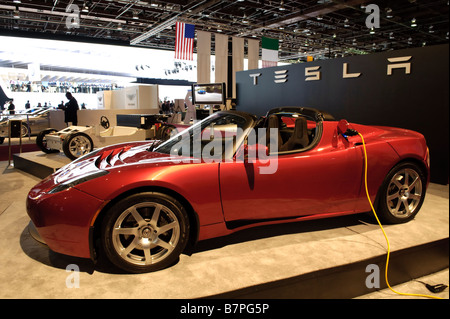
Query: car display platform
328	258
39	163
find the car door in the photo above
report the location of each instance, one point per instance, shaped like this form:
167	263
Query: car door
325	179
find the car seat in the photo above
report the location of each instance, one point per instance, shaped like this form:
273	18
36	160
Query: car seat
273	123
299	138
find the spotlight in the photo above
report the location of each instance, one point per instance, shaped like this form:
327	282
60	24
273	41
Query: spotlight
389	14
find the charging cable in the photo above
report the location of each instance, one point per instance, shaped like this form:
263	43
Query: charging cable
381	226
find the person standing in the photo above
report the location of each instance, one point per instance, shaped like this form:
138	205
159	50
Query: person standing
70	110
27	105
11	107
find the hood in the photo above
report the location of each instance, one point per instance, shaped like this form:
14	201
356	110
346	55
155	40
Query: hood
116	156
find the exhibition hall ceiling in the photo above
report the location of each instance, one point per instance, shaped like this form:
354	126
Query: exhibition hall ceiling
322	28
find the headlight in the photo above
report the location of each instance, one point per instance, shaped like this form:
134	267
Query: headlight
76	181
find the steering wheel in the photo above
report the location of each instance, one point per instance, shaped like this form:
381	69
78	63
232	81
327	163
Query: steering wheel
104	122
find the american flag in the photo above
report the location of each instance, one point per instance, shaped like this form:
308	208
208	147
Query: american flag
184	41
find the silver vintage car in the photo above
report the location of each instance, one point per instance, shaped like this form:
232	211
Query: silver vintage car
33	121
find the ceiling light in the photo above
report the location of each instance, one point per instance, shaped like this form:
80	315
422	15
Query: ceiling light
372	30
410	40
16	15
413	22
119	27
281	8
391	36
430	29
389	14
346	25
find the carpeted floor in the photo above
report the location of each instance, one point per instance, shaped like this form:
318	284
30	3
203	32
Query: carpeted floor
27	146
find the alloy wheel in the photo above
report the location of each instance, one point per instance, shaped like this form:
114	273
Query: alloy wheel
145	233
404	193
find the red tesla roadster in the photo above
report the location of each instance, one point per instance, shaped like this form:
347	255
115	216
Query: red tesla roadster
142	203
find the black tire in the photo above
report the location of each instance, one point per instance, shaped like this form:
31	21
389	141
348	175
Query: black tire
402	193
145	232
77	144
42	142
2	139
168	132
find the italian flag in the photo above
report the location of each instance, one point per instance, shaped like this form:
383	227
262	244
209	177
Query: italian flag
269	54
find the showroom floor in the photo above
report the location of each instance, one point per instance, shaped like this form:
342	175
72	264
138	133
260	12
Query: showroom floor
266	254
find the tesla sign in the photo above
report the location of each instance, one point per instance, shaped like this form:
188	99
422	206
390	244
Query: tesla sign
314	73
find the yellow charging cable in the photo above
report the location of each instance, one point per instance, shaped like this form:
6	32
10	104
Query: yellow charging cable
382	229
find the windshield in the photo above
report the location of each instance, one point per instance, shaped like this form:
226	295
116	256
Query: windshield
213	139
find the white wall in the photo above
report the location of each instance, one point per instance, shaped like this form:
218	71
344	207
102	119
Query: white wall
92	117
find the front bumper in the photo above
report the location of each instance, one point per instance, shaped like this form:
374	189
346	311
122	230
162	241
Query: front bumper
34	233
63	220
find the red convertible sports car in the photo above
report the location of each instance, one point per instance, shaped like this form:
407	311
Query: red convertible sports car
142	203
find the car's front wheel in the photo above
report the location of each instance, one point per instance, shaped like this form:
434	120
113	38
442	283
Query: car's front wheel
402	193
145	232
77	144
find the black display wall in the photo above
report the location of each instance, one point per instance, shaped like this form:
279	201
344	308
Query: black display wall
405	88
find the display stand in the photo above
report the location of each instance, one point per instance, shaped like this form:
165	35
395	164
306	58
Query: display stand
14	130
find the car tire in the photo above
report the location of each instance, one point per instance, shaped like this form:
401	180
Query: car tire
2	139
402	193
77	144
25	130
168	132
41	141
145	232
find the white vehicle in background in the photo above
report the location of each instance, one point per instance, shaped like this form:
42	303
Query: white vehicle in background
76	141
33	121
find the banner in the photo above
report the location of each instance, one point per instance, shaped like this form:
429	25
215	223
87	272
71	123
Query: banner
203	57
269	54
221	50
253	54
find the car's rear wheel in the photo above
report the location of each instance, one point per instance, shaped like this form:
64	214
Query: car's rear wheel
25	130
145	232
77	144
402	193
41	141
